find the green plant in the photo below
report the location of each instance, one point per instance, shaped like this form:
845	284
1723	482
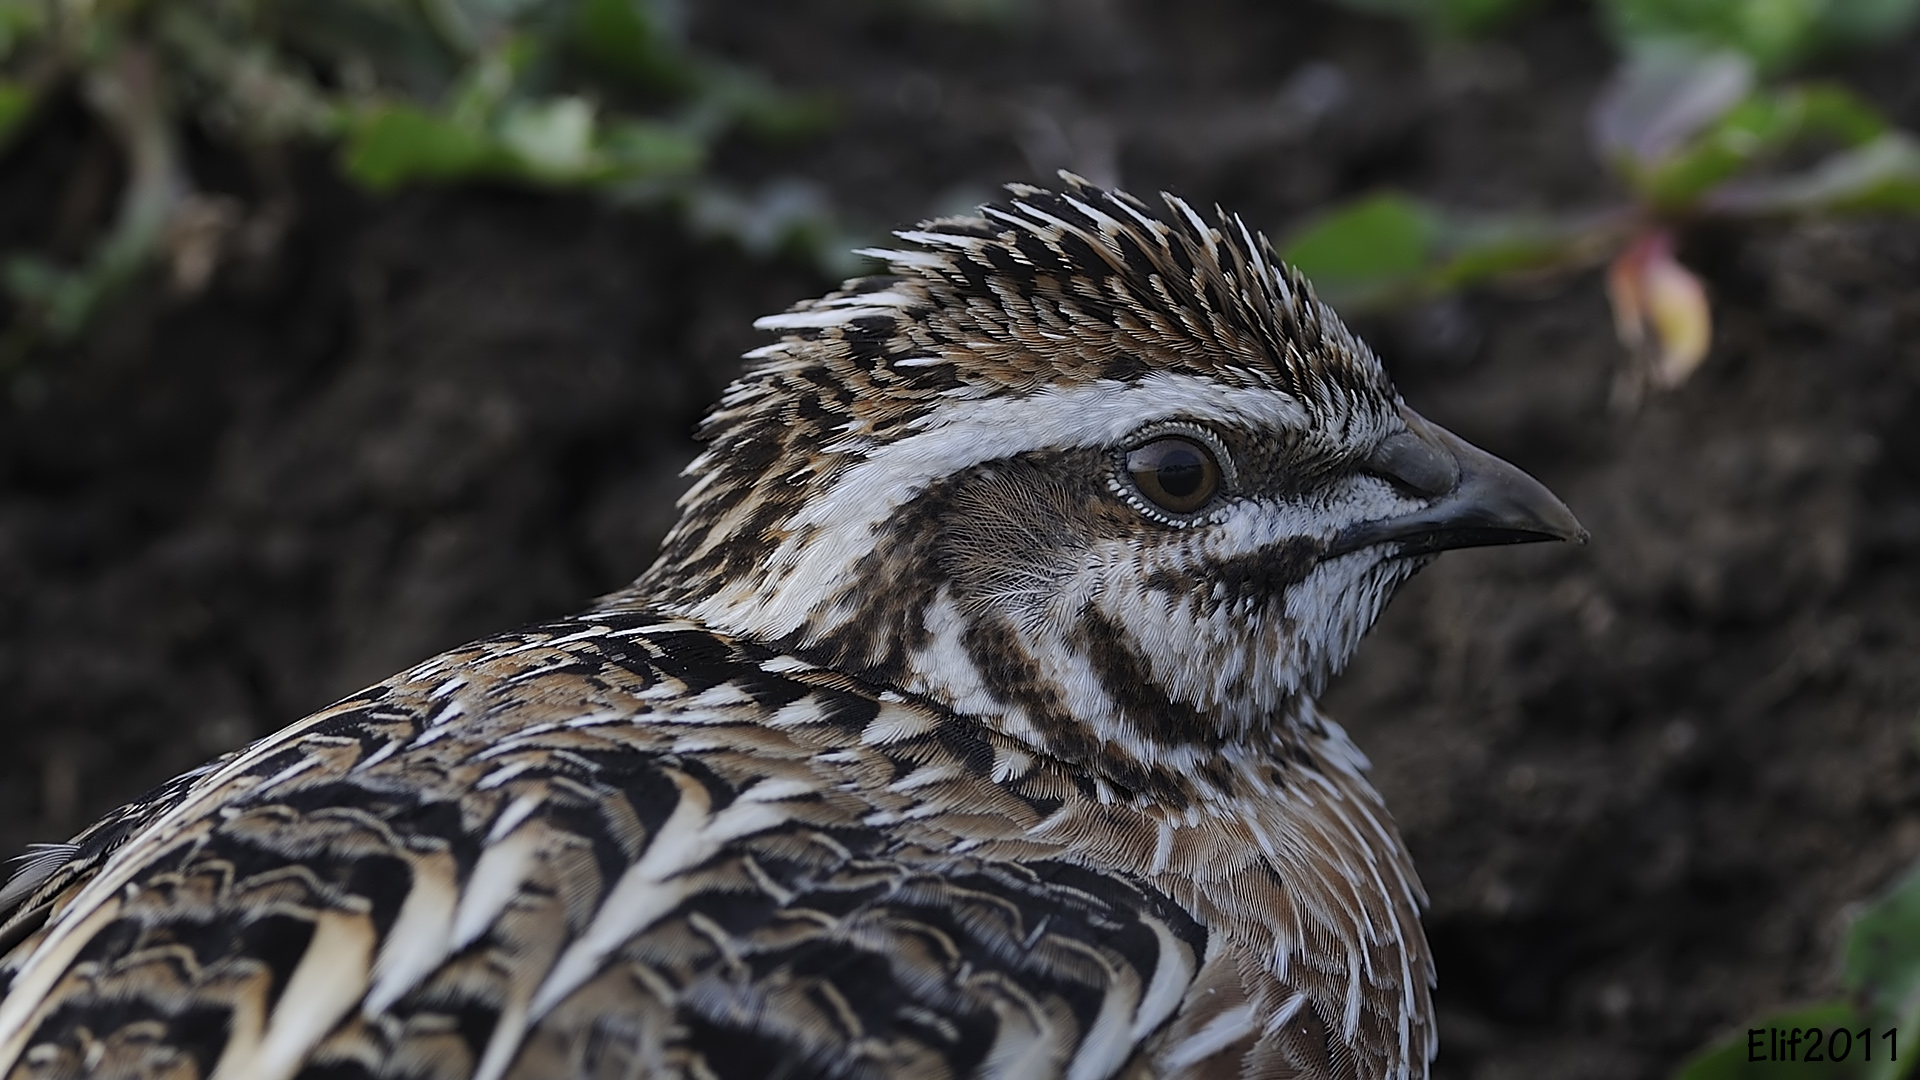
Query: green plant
601	94
1880	977
1445	17
1696	124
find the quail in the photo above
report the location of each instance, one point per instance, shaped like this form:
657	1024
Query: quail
964	727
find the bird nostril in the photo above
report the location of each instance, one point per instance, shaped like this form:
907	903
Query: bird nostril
1415	463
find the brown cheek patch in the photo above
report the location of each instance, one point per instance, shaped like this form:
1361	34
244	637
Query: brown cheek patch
1016	524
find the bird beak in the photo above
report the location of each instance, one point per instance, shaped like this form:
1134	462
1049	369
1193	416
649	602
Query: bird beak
1475	499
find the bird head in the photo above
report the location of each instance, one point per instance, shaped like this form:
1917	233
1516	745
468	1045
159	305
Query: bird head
1106	475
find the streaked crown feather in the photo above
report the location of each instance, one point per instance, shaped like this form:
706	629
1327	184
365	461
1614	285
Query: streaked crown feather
1041	292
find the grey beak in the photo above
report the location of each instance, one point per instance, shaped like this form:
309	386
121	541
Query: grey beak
1476	499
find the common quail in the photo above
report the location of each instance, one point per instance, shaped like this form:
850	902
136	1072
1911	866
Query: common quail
965	726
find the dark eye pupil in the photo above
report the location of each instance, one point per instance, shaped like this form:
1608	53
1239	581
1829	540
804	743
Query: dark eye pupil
1175	473
1181	473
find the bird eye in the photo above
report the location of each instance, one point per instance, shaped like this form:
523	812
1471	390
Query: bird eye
1176	474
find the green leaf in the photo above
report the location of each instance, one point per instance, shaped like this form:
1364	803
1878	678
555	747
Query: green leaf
20	21
1774	33
1771	32
636	149
1881	958
552	138
1881	176
16	105
1381	242
1388	248
490	81
470	27
528	91
1849	22
1761	126
555	141
1881	972
633	40
388	145
264	97
1447	17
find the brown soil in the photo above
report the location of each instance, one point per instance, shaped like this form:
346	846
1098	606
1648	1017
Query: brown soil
1642	780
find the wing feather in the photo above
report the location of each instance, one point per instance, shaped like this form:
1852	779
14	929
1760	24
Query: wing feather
620	900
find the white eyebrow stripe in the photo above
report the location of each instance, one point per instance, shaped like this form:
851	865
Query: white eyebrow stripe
829	534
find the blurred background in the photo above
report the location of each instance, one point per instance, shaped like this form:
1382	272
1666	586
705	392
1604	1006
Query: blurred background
338	332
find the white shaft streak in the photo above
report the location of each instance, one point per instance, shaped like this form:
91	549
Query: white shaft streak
829	535
1222	1031
421	935
649	890
90	911
1106	1046
325	986
1173	972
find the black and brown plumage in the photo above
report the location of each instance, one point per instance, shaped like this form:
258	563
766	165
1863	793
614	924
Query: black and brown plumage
964	727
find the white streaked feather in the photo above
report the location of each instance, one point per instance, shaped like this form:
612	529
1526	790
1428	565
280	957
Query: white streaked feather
1290	1006
522	738
1107	223
502	774
918	260
665	626
1058	223
800	712
1010	764
33	869
286	774
421	937
1106	1045
386	751
504	1042
931	239
819	317
1208	235
1162	847
451	684
26	999
1153	227
892	724
646	891
1350	1018
330	978
590	633
1222	1031
1173	972
516	812
1027	1045
928	775
496	878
